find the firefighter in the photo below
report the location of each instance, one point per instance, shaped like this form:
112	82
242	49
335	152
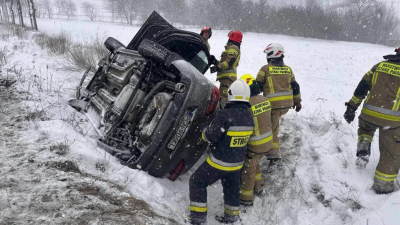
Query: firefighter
226	67
228	135
206	34
380	110
259	143
279	85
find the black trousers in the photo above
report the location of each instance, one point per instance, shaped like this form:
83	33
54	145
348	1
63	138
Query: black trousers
206	175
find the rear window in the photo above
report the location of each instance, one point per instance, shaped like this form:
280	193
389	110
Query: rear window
190	51
200	61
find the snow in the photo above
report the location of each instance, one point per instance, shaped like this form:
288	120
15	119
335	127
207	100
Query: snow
319	182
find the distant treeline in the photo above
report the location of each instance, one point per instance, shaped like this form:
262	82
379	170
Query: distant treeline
371	21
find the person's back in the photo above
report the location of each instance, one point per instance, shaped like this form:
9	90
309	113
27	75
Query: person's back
226	67
228	135
278	76
380	111
236	121
259	144
279	85
381	108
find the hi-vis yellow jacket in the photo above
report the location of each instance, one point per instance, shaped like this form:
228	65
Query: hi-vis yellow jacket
277	85
381	107
229	62
261	139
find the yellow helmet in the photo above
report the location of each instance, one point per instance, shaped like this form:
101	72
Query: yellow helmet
248	78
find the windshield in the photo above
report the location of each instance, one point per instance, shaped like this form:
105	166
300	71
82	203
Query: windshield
200	61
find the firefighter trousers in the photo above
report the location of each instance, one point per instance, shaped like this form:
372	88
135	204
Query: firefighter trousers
224	84
389	160
276	115
206	175
251	178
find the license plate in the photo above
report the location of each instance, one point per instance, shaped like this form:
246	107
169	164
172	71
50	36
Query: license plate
180	132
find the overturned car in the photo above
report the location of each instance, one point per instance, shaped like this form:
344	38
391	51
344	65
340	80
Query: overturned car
150	100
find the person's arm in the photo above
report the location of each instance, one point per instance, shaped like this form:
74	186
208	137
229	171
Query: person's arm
296	89
362	89
217	129
230	60
260	79
359	95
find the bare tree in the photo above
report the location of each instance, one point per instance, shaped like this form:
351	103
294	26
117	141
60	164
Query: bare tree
19	10
32	14
10	7
127	9
90	10
4	10
44	8
46	4
384	25
69	8
111	6
59	6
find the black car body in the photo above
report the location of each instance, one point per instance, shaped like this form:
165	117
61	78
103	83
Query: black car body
149	101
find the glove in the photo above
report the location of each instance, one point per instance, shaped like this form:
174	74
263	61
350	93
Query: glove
214	69
297	106
350	113
212	60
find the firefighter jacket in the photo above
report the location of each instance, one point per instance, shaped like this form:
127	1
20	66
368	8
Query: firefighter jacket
382	85
208	44
228	135
261	139
229	62
279	85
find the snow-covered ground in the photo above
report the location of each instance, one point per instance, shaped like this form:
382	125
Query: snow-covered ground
52	172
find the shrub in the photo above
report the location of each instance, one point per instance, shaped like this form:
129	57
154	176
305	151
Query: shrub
55	43
83	56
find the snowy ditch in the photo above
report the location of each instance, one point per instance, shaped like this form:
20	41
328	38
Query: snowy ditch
52	171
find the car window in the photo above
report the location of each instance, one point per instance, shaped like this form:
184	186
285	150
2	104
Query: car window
200	61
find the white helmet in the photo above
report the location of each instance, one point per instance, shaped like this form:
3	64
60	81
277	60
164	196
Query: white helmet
274	50
239	91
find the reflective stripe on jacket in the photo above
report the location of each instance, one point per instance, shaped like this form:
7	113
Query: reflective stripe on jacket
228	135
229	62
261	139
382	86
277	85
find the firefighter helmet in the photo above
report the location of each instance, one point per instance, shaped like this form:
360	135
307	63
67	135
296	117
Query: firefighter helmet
274	50
206	29
248	78
235	36
239	91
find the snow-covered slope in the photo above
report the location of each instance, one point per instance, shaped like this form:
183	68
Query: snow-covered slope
319	183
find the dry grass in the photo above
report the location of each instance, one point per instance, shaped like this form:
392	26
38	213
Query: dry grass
8	29
82	56
77	56
5	56
55	43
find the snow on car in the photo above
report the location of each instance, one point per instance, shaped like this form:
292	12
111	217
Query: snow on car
150	100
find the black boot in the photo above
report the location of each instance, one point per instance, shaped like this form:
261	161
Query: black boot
246	203
227	219
363	153
274	165
197	220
